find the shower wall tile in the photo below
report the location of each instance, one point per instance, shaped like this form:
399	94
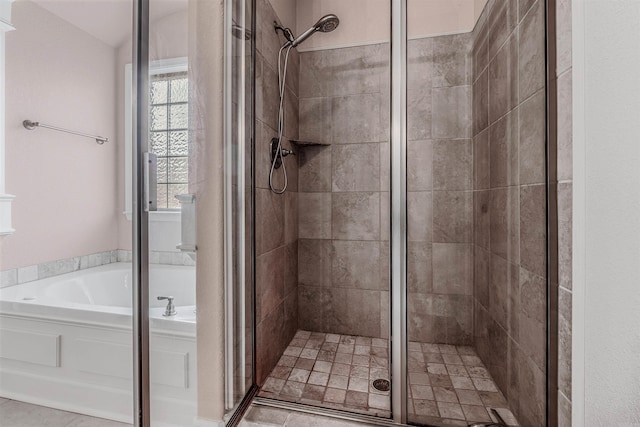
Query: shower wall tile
356	167
452	164
532	136
339	72
564	342
277	225
565	229
452	268
314	210
481	275
419	264
482	219
315	168
291	268
270	276
452	61
533	228
502	20
523	7
503	151
314	262
481	102
290	217
355	265
505	223
385	164
355	216
316	120
419	165
270	228
531	51
503	80
451	112
564	33
509	203
565	127
419	216
481	156
452	216
361	127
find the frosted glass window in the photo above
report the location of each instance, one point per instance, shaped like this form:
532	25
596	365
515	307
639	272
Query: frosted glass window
169	137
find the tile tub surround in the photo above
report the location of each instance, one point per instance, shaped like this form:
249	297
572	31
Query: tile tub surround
276	214
447	384
509	202
30	273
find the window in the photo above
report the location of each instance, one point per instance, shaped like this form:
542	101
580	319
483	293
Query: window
168	137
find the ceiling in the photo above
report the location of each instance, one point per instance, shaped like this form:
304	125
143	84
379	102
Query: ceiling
108	20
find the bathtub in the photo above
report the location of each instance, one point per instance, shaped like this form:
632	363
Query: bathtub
66	343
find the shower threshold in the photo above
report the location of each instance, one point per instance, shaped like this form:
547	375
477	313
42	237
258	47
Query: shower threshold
448	385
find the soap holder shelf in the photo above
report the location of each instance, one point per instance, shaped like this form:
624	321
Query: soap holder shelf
308	143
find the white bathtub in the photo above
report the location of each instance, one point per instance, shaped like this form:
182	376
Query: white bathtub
66	343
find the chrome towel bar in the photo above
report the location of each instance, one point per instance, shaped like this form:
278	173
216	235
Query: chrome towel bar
28	124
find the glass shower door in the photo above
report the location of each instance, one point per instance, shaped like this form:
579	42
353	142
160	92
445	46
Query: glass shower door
476	213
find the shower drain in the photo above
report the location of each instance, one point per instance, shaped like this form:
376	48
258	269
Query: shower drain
381	385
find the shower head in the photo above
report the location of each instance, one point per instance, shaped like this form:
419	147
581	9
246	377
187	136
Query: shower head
326	24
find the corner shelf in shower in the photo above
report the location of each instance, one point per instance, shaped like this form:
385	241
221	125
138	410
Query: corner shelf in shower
308	143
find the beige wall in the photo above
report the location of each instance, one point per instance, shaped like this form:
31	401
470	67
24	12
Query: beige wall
368	21
65	185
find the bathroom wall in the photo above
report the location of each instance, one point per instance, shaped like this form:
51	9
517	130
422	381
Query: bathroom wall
509	202
343	191
276	214
65	185
439	184
344	226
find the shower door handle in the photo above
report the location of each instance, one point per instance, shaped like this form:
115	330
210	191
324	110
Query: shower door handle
150	182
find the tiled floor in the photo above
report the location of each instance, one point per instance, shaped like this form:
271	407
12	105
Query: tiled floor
448	385
261	416
19	414
333	371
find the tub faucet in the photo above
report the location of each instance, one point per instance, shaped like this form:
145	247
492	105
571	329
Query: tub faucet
171	309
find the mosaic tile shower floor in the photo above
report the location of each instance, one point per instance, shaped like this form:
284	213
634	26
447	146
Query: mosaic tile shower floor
448	385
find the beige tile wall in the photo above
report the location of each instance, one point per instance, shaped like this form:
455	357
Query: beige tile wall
343	191
276	215
509	202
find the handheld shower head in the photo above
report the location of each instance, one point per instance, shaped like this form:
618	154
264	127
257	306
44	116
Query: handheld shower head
326	24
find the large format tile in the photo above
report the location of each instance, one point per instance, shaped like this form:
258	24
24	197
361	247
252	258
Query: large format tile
356	118
356	216
452	60
355	167
533	228
505	223
452	268
420	216
531	51
532	137
452	164
316	117
270	281
452	216
503	80
314	169
451	112
355	264
503	148
314	219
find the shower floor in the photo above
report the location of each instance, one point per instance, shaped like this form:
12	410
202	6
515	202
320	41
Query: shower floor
447	384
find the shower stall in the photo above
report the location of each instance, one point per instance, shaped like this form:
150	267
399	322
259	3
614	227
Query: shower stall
395	190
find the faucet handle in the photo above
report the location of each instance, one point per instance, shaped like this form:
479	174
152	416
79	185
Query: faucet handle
171	309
